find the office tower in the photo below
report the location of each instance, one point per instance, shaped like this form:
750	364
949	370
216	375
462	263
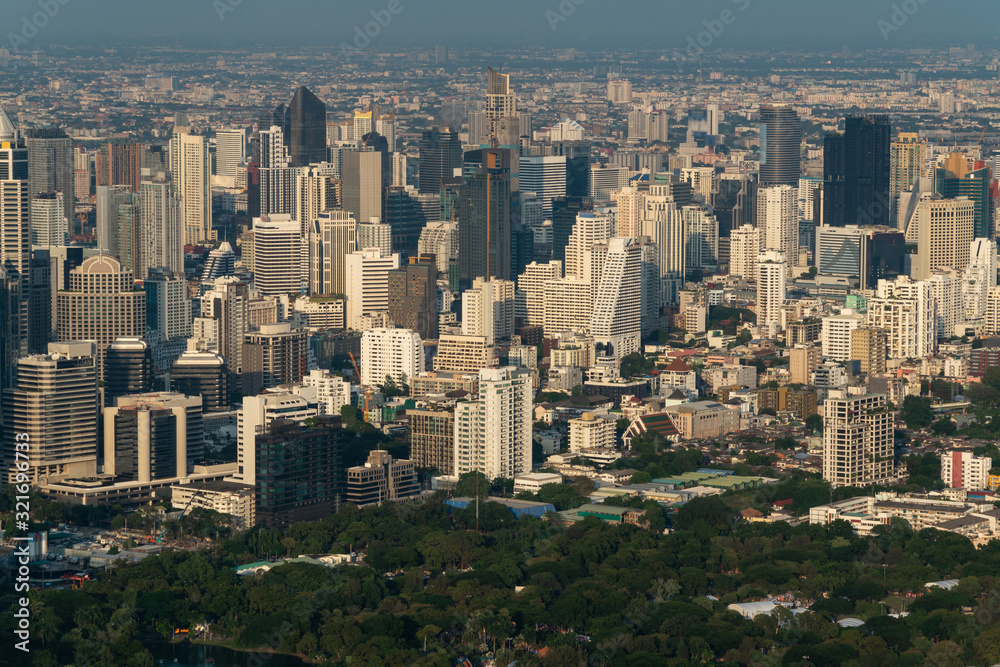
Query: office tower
306	121
54	399
778	220
440	155
701	238
980	276
190	170
277	177
432	438
907	311
638	125
317	190
735	202
588	230
840	251
219	263
47	220
128	369
780	145
168	308
407	212
810	197
488	310
616	318
441	240
545	176
276	354
50	165
15	241
256	417
493	430
390	353
13	338
38	302
743	250
375	142
945	230
907	155
884	257
564	217
702	180
464	354
856	172
362	184
333	236
277	248
202	374
568	304
413	296
366	278
835	337
499	119
225	303
772	272
485	219
375	234
153	436
101	304
607	179
165	226
399	175
385	125
631	204
381	478
663	224
230	152
332	391
577	154
530	297
111	217
299	474
857	440
954	179
619	91
119	162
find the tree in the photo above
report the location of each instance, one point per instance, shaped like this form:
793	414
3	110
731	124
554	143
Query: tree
917	412
943	426
814	422
472	484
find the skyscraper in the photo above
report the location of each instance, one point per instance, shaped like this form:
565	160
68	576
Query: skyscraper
772	272
906	165
15	207
413	296
362	178
50	165
277	259
277	177
546	176
220	262
780	145
230	152
202	374
226	304
616	318
48	220
164	229
857	440
744	249
317	190
153	436
114	222
485	219
857	173
440	156
945	230
190	168
366	274
332	236
390	353
493	429
955	179
306	127
488	310
128	369
119	162
778	220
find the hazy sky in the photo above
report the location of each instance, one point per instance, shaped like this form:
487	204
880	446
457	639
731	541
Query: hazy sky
662	23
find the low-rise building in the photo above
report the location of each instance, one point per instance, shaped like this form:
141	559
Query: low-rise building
381	478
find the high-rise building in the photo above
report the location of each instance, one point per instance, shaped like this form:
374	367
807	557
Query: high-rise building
333	235
407	212
564	218
441	240
663	224
101	304
493	430
868	345
202	374
254	420
979	278
317	190
153	436
772	272
440	155
230	153
840	251
955	179
488	310
190	168
39	302
590	229
780	145
631	205
305	119
55	402
857	440
220	262
128	369
616	318
907	311
225	303
277	258
277	177
802	361
118	219
165	228
607	179
49	225
944	232
857	173
836	334
413	296
390	353
366	278
119	162
744	247
568	304
15	208
275	354
544	175
464	354
81	173
907	155
485	219
362	184
375	234
50	166
432	438
529	301
332	391
778	220
701	238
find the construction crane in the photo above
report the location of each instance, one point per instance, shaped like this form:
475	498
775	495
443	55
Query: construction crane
365	388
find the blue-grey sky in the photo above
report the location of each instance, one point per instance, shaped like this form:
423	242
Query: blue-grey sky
583	24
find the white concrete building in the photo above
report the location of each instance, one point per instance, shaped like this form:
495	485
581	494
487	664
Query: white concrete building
493	431
277	248
391	353
964	470
488	309
778	220
907	311
591	432
332	391
744	248
366	281
836	335
857	440
615	322
772	272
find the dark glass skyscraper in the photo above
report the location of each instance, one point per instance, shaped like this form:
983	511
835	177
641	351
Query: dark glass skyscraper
856	170
954	180
413	296
440	155
50	165
485	217
780	145
128	369
564	212
305	129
